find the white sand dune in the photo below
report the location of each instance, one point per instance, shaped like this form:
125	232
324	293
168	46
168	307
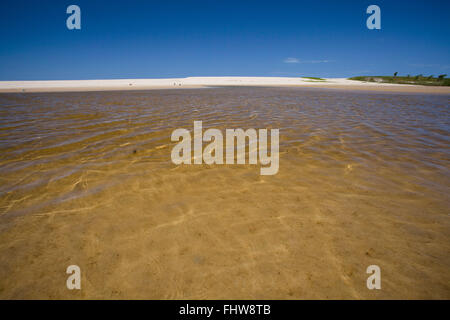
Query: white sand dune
201	82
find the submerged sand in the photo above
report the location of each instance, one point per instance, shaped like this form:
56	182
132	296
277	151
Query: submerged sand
203	82
86	179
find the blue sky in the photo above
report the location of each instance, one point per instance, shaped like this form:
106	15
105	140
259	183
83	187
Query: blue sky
172	38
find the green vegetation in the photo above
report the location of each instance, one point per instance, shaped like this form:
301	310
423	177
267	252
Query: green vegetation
441	80
314	78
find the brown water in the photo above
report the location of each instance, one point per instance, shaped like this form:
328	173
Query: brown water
87	179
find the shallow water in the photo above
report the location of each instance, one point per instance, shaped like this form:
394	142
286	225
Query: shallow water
87	179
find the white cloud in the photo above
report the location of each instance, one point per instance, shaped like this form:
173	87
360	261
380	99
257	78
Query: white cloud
291	60
295	60
316	61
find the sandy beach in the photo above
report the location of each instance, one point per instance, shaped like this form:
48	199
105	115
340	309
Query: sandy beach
203	82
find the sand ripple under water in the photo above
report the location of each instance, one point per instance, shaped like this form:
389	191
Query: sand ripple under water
86	179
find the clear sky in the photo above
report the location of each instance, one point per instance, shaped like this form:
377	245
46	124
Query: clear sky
179	38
